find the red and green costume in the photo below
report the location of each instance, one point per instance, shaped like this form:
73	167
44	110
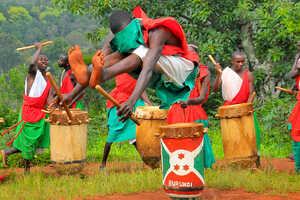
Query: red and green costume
294	120
32	130
195	113
67	87
118	131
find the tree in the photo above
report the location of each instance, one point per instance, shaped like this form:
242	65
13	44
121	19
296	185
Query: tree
17	13
266	30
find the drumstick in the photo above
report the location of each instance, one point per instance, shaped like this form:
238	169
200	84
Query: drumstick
252	97
286	90
33	46
214	62
49	76
114	101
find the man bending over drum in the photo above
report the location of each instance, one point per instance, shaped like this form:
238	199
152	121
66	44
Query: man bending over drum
154	51
32	130
294	118
191	110
237	85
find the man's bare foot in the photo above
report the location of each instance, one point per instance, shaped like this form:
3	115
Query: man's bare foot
77	64
98	62
4	158
102	167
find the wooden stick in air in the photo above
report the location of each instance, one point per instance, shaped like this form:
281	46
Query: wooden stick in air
49	77
252	97
114	101
214	62
286	90
32	46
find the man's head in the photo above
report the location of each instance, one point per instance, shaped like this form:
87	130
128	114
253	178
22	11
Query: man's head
298	45
42	63
237	60
193	47
118	20
63	61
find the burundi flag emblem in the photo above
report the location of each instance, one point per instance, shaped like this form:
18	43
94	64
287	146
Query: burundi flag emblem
182	164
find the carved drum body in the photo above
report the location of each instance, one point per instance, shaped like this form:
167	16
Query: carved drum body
68	140
238	133
148	144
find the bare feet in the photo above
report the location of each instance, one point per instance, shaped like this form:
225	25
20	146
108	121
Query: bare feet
102	167
98	62
77	64
4	158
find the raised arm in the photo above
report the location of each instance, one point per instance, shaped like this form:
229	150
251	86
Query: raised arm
218	81
33	61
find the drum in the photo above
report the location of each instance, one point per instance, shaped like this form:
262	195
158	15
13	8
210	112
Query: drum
182	160
148	145
68	140
238	133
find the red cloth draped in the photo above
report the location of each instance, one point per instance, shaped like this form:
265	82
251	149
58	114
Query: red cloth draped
67	85
294	118
172	25
243	94
192	113
31	110
125	85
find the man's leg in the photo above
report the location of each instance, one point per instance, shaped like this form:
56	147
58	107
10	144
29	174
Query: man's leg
7	152
27	167
105	155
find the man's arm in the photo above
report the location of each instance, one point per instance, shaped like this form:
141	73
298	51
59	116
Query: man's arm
157	39
144	96
218	81
295	71
33	61
251	84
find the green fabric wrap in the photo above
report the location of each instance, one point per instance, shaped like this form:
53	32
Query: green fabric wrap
131	37
296	149
209	158
257	132
118	131
168	92
79	105
33	136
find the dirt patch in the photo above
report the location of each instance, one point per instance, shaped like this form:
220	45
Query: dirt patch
208	194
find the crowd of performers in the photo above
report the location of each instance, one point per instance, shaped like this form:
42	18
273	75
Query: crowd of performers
140	52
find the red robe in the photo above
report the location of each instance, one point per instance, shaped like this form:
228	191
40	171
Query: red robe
192	113
125	85
67	85
243	95
294	118
172	25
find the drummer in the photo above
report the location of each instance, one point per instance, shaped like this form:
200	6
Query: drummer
68	81
118	131
237	85
32	130
295	116
191	110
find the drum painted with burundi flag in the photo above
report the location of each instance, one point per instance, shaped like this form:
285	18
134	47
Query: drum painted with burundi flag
182	159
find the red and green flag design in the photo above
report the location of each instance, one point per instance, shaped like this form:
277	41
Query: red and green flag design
183	166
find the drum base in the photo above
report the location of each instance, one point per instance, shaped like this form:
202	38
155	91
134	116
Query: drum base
246	162
68	169
153	162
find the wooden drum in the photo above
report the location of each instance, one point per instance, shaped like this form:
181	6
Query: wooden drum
68	140
1	120
182	160
238	133
148	145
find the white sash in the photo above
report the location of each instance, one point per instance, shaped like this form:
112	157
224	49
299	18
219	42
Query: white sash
38	86
231	84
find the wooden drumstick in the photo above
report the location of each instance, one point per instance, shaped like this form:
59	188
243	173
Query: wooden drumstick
286	90
114	101
49	77
252	97
214	62
33	46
